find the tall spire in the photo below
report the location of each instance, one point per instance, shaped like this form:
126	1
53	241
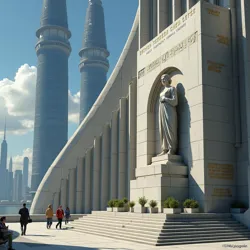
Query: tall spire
94	64
51	112
4	136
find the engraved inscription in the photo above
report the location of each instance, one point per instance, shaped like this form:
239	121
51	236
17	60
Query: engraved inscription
222	192
223	40
221	171
213	12
215	67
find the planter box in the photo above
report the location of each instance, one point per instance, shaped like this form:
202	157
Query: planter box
132	209
238	210
172	210
126	208
118	209
109	209
140	210
191	210
154	210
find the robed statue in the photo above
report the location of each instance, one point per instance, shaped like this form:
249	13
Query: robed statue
168	117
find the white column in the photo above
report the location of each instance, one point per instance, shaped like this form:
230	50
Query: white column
144	27
132	127
163	15
123	163
80	186
114	156
56	201
72	190
96	173
64	193
105	164
88	186
176	9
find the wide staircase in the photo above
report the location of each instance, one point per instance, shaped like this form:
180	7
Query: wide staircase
161	229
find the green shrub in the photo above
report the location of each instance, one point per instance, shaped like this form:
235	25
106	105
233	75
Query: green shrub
190	203
238	204
131	204
125	200
119	203
153	203
143	201
173	203
111	203
166	203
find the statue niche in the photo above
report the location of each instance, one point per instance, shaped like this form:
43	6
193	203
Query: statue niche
168	102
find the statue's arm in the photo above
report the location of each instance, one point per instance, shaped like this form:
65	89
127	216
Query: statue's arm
173	101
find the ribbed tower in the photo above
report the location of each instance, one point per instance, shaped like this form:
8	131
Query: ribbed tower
3	166
51	113
94	64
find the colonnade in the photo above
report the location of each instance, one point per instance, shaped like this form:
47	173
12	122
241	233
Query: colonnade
162	13
104	171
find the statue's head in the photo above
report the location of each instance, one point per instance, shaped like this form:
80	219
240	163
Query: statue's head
166	80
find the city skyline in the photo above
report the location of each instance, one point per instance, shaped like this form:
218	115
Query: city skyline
21	144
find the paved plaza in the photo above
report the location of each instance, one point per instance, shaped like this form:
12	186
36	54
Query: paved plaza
38	237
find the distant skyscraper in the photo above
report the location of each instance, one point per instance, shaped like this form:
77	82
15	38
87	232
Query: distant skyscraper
3	167
10	180
94	64
51	112
18	186
25	176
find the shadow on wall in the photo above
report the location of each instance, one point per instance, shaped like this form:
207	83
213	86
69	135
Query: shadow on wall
185	145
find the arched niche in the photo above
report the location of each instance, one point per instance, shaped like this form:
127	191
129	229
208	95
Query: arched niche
178	81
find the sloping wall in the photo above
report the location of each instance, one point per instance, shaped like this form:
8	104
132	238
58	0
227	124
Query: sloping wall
100	114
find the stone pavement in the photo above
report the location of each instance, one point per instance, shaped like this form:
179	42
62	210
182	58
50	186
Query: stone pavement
38	237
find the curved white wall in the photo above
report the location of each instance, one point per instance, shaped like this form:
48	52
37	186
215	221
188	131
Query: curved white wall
92	126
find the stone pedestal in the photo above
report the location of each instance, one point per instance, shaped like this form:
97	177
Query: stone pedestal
166	176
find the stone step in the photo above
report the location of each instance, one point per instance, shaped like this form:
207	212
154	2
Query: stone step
158	231
146	240
163	225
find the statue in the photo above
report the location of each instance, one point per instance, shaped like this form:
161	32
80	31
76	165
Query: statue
168	117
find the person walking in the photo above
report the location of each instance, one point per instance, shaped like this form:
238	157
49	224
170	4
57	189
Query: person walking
49	216
6	233
67	215
59	215
24	219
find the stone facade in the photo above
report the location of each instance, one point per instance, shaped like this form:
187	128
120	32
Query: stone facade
205	53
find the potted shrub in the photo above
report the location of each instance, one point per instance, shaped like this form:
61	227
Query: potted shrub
111	205
126	204
119	206
238	207
142	201
171	206
153	206
131	205
191	206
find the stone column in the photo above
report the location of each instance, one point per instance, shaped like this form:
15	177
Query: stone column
88	186
163	15
176	9
114	156
123	162
56	200
190	4
96	173
64	193
105	170
80	186
132	127
72	190
144	27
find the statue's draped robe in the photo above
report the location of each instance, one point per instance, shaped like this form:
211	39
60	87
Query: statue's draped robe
168	119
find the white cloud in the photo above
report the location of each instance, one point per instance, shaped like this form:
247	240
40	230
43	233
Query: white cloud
17	101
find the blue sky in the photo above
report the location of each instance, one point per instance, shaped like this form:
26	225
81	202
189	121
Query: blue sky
19	21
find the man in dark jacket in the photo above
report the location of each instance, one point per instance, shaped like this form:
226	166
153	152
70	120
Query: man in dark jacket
5	232
24	212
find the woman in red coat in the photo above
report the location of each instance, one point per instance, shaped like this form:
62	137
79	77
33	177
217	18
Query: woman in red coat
59	215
